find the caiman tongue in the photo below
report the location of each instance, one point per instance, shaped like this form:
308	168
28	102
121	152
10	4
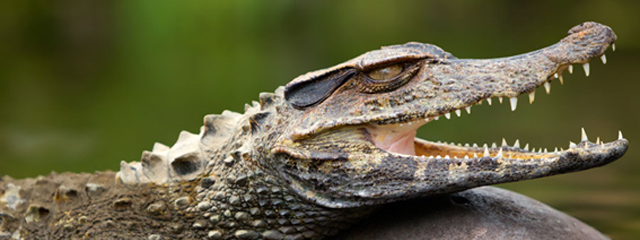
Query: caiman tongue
396	138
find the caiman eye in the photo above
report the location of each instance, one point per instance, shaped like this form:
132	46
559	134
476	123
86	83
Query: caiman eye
387	78
384	73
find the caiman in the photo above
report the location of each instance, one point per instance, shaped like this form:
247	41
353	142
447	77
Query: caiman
317	155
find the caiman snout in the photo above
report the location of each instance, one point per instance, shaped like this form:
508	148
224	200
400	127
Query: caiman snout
584	42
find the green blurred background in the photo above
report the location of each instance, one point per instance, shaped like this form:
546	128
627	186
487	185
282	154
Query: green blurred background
85	84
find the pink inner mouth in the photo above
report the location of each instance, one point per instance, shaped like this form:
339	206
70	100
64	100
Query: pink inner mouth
397	138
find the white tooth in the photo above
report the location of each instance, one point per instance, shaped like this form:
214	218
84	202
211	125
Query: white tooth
427	119
586	69
598	140
479	102
446	157
475	155
555	75
517	144
466	145
540	150
468	109
545	150
484	145
613	47
620	135
562	149
430	157
401	124
475	145
409	123
500	100
458	112
486	152
466	157
494	145
526	147
514	103
561	79
499	154
555	150
489	101
504	142
570	68
533	150
436	118
604	59
583	135
547	87
532	96
572	144
447	115
438	157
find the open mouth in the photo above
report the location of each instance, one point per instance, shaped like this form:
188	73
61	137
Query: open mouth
400	138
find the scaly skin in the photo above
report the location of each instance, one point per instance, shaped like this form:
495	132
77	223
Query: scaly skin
313	157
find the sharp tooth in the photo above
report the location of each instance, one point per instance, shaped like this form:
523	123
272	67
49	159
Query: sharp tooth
446	157
427	119
533	150
499	154
570	68
468	109
545	150
586	69
514	103
561	79
583	135
555	150
475	145
532	96
458	112
475	155
447	115
479	102
504	142
526	147
466	145
613	47
555	75
494	145
540	150
436	118
620	135
604	59
489	101
517	144
466	157
484	145
547	87
598	140
572	144
486	152
500	100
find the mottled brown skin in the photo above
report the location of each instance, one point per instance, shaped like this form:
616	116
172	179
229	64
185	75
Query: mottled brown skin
303	163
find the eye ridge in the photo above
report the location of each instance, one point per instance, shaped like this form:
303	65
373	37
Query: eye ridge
399	74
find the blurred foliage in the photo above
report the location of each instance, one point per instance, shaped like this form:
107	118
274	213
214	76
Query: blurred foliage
84	84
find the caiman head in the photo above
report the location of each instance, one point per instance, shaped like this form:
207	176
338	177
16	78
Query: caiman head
353	142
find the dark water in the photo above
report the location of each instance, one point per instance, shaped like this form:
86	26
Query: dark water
84	85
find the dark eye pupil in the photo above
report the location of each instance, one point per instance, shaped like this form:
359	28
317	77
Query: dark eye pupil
386	72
